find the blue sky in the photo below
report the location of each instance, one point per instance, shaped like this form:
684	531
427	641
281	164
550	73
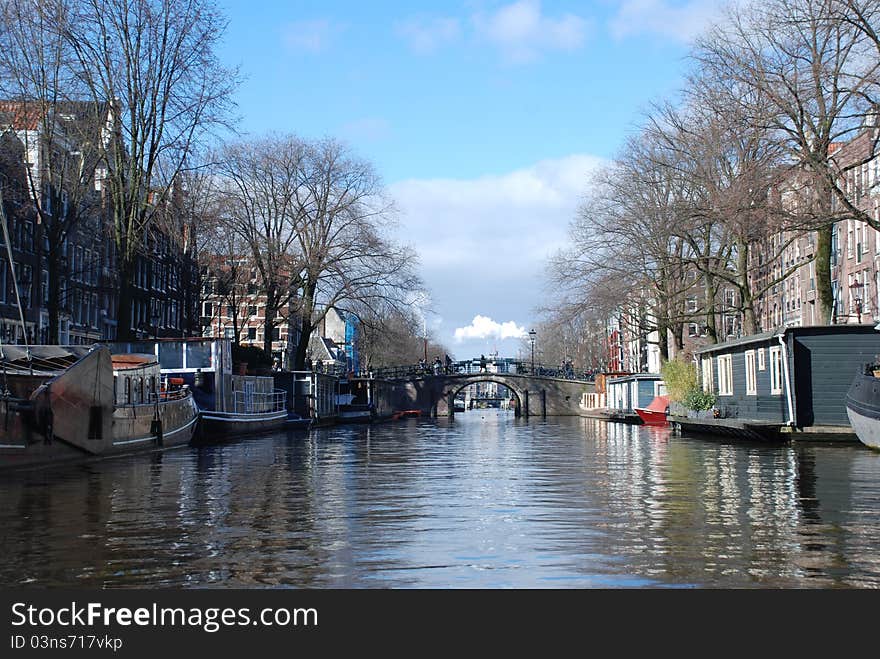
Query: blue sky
484	119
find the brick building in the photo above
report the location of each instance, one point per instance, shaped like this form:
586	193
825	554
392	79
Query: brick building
162	302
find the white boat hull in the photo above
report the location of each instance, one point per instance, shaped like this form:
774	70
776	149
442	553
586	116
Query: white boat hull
867	429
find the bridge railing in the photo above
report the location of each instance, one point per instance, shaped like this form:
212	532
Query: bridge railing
507	367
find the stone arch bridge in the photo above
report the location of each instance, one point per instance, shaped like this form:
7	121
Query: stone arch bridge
543	395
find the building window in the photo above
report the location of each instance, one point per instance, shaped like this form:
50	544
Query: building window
708	385
252	333
776	371
751	374
725	375
252	310
762	364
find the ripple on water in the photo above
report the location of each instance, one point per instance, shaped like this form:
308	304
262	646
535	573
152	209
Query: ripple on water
482	501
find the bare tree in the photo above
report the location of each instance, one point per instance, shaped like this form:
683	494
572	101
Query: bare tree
260	179
61	133
734	169
624	244
813	70
388	336
154	61
346	257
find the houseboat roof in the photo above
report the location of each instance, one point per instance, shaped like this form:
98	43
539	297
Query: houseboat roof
634	376
773	334
40	358
131	360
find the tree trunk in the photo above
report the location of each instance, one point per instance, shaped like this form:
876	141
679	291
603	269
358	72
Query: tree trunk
305	332
53	305
123	305
269	319
711	323
747	302
663	340
824	291
269	328
678	334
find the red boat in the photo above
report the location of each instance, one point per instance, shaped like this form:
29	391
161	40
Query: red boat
406	414
655	413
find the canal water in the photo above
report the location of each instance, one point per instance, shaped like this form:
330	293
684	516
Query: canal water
484	501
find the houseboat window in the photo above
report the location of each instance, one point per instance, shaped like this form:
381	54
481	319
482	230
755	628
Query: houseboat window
751	374
708	385
762	364
775	371
725	375
127	390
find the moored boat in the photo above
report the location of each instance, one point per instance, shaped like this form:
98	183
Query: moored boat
406	414
230	404
355	413
251	414
65	403
863	406
656	412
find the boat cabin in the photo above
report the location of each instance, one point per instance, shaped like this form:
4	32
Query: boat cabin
136	379
797	376
624	394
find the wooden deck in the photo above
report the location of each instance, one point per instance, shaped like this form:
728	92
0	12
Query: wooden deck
611	415
754	429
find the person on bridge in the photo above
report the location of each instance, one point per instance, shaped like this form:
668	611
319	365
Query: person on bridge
448	365
437	365
483	364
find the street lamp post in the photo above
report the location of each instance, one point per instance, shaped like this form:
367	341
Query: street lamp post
856	288
532	335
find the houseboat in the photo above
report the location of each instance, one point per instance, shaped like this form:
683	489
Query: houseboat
785	384
310	395
594	404
69	403
231	403
627	393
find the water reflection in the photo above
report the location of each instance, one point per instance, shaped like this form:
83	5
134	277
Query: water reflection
485	500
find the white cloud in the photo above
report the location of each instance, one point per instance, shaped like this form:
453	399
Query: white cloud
484	242
524	213
483	327
311	36
523	32
671	19
426	34
519	30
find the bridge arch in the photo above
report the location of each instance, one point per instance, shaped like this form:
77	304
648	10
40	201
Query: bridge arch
446	395
432	394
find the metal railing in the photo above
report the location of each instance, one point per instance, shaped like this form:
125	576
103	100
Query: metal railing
475	368
255	402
